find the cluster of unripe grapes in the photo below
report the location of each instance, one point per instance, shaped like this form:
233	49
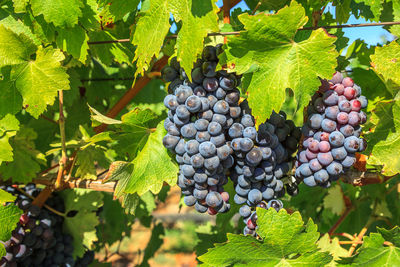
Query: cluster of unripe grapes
213	138
200	113
38	239
332	133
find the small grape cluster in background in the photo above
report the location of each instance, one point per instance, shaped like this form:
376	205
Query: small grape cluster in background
38	239
332	133
200	114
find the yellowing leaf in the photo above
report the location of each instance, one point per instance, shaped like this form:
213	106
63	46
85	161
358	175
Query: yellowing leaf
9	126
14	48
334	200
38	81
386	61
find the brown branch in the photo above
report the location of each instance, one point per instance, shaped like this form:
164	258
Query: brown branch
131	93
48	119
349	236
386	243
255	9
96	185
390	23
227	18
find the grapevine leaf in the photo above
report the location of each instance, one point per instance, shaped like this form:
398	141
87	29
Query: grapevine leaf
18	27
6	197
384	141
198	18
38	81
97	116
149	33
9	217
283	236
395	29
27	159
86	203
85	161
267	4
392	235
152	166
375	6
20	5
374	253
121	171
334	200
64	13
114	222
326	244
2	250
14	48
9	126
277	61
74	41
10	99
135	130
342	10
119	8
386	62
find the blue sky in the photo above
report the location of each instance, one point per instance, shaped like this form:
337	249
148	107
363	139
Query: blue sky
371	35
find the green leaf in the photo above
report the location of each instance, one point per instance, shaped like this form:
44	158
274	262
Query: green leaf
278	62
9	126
384	140
342	10
386	62
18	27
27	159
97	116
14	48
121	171
86	160
198	18
267	4
135	130
6	197
9	217
332	246
10	99
86	203
334	200
392	235
152	166
64	13
286	241
20	5
150	32
114	223
374	253
38	81
117	9
375	7
74	41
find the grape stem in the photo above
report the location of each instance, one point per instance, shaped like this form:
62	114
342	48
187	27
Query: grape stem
349	208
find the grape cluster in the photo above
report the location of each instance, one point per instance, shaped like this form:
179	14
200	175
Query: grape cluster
332	132
200	113
38	239
262	161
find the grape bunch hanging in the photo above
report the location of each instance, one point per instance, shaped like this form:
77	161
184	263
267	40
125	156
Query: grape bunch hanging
38	239
200	113
262	163
332	133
